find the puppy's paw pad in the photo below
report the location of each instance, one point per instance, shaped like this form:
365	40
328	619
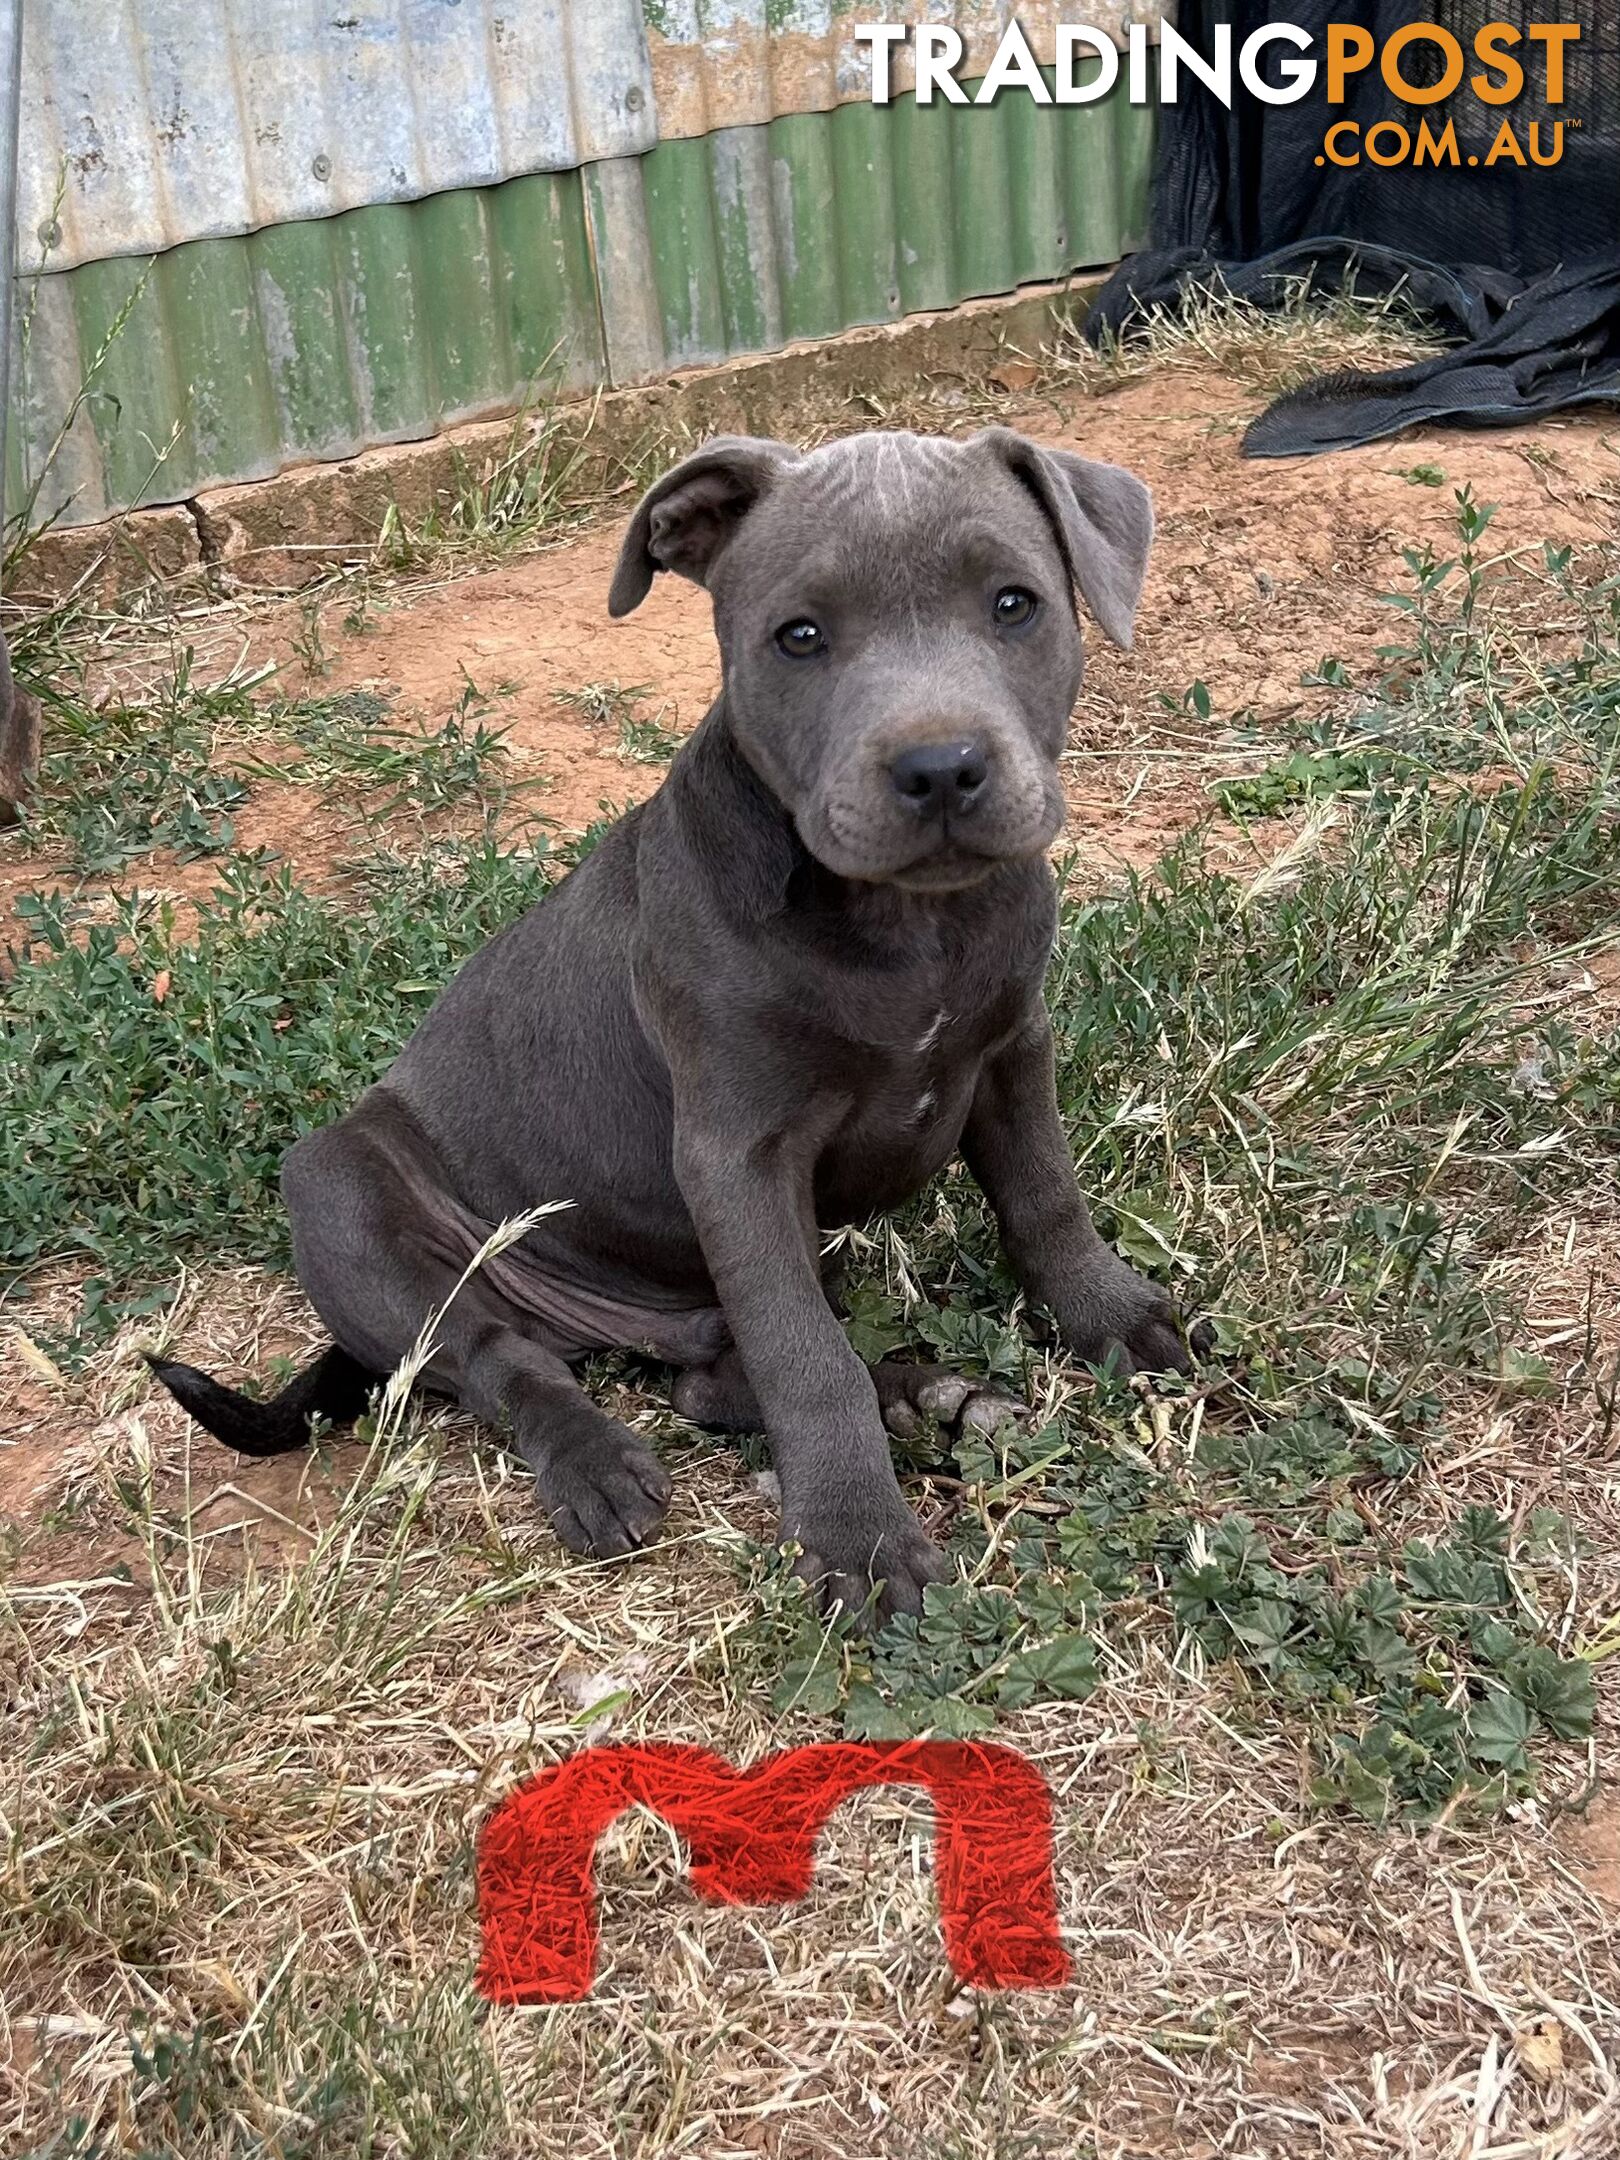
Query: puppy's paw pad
944	1396
987	1411
956	1404
904	1422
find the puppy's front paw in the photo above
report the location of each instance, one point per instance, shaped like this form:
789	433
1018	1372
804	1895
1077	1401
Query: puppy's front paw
1128	1323
606	1494
847	1549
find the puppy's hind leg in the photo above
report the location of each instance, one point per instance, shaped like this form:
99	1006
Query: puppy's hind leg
381	1245
720	1398
603	1489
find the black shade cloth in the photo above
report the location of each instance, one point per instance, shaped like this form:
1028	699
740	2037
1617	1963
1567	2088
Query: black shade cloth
1520	263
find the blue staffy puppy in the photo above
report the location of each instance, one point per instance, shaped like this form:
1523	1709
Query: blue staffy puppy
778	997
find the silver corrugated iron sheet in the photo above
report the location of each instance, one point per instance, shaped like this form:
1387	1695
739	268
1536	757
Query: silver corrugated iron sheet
151	122
735	63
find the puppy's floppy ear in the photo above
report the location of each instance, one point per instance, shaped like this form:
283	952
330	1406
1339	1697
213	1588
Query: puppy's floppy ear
1102	517
684	520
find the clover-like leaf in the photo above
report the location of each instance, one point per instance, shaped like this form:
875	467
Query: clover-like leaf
1558	1690
1066	1666
1499	1730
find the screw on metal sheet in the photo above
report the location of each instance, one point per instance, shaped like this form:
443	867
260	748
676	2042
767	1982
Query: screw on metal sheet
321	167
634	98
50	234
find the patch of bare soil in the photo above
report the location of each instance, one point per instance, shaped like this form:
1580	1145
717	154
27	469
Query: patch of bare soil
67	1442
1260	570
1594	1844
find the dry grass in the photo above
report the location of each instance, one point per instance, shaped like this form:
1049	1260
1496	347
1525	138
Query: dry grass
245	1783
1268	351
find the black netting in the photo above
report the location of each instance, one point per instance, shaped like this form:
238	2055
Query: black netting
1520	261
1244	182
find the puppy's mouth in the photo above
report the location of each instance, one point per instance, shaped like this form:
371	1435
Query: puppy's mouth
947	865
871	845
948	869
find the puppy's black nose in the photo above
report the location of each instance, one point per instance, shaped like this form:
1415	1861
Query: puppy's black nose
938	777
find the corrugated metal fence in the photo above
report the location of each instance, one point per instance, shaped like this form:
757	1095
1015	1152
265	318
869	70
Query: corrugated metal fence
257	232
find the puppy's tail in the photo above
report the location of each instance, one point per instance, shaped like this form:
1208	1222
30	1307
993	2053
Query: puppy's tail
334	1388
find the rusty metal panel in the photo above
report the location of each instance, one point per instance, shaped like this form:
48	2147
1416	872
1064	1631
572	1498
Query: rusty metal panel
156	122
739	63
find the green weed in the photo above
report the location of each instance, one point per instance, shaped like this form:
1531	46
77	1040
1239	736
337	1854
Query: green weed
118	781
1421	1668
537	484
643	739
309	643
604	704
152	1076
1297	778
346	738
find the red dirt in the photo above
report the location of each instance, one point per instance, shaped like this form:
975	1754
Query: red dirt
1261	568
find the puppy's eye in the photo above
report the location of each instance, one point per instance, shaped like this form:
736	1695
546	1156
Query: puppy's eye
800	640
1014	607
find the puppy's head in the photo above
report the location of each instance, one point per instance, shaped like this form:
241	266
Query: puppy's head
896	616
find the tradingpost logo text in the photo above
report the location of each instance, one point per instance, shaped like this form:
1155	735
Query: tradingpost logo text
1423	64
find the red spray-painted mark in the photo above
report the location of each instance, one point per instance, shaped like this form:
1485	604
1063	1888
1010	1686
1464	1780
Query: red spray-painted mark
752	1838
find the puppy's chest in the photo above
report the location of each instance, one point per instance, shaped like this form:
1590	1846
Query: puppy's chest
907	1105
905	1076
918	1075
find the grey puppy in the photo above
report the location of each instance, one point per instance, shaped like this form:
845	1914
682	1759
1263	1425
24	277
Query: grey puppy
777	997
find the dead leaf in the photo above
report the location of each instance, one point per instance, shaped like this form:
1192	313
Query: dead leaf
1015	375
160	986
1541	2050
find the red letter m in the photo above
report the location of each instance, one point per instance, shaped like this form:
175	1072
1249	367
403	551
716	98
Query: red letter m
752	1838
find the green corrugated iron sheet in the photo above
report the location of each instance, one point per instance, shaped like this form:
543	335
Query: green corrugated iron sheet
818	221
230	359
